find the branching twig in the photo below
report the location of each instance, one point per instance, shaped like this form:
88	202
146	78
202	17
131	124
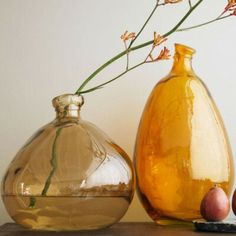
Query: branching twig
164	54
203	24
190	3
140	31
118	56
109	81
127	56
145	24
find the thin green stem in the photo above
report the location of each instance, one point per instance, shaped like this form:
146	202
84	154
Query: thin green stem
203	24
118	55
127	56
146	22
115	58
53	163
190	3
140	31
32	202
99	70
109	81
184	18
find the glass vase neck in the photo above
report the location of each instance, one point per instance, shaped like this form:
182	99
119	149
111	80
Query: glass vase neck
68	106
183	60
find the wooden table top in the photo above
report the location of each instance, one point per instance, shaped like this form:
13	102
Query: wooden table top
121	229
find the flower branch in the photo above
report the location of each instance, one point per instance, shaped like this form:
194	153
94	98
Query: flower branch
125	37
164	55
145	24
109	81
230	9
204	24
118	56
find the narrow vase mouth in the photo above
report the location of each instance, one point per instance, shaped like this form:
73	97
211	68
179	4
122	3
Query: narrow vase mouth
69	101
184	50
68	106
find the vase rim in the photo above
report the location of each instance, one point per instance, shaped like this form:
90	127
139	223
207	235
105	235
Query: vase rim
65	100
184	50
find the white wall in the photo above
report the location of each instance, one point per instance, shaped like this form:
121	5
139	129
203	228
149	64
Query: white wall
47	47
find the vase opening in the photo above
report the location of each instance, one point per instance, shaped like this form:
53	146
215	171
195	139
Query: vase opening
183	59
184	50
68	105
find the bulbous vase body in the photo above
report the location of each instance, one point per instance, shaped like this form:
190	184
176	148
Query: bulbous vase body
182	149
68	176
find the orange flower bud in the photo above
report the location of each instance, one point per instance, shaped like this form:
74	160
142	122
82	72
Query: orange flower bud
231	7
126	36
164	54
158	39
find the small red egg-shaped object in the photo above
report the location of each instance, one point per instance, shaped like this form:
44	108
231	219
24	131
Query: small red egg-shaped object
215	205
234	202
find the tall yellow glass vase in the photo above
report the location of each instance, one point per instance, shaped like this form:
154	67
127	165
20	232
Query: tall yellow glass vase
182	148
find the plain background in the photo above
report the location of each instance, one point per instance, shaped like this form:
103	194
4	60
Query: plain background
47	47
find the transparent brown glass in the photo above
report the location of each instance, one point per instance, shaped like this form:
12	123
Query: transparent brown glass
182	149
69	175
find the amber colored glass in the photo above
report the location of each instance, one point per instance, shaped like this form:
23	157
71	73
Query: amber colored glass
68	176
182	148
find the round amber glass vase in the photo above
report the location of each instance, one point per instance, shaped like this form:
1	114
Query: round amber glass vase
68	176
182	149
